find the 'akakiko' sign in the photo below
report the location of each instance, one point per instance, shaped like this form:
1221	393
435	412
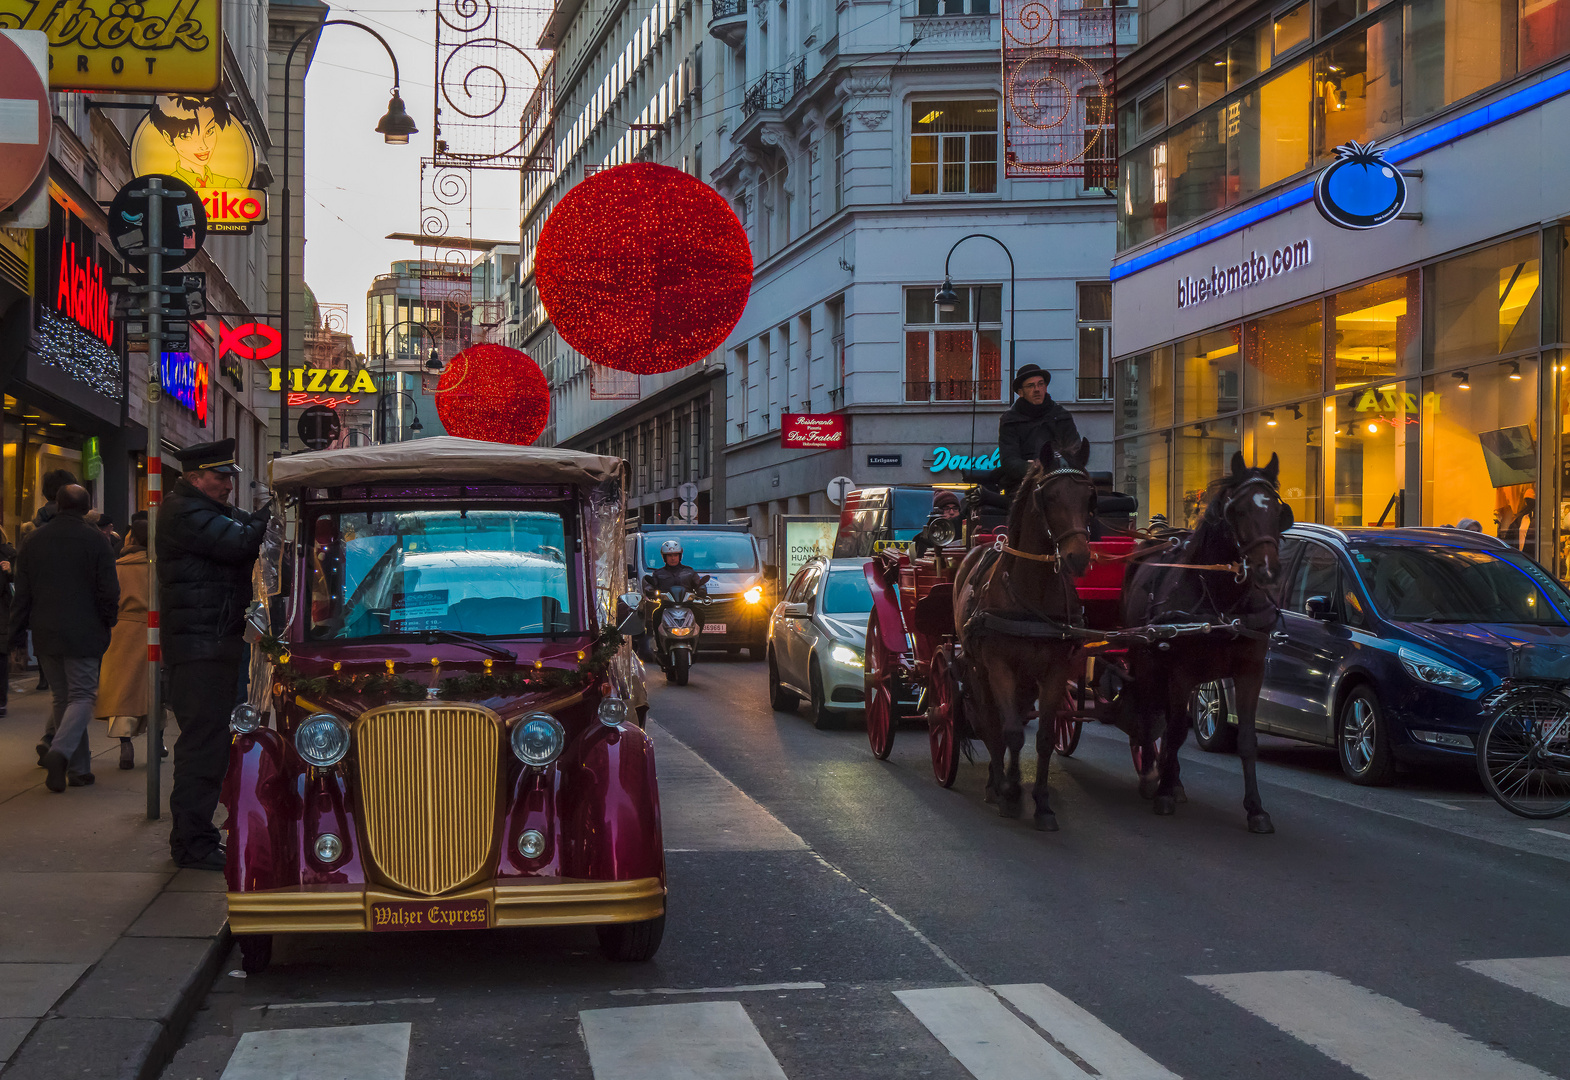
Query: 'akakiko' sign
944	459
1254	270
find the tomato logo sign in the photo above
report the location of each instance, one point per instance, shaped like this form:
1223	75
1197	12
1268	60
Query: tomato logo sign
1360	189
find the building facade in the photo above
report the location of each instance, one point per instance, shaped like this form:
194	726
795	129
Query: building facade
1406	374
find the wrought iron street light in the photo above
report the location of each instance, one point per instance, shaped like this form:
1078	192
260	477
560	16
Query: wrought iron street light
948	297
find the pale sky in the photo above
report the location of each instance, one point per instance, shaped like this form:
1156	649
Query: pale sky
357	188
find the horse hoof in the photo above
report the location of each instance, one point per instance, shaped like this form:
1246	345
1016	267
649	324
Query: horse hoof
1147	787
1165	805
1260	823
1011	808
1046	822
990	798
1179	794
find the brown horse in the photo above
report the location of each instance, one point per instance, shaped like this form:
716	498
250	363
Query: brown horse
1013	603
1221	573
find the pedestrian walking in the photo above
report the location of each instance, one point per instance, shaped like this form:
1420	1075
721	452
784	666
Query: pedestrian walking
206	549
122	687
67	595
7	566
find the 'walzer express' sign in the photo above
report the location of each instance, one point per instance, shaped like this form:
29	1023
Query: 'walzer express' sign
1360	189
126	46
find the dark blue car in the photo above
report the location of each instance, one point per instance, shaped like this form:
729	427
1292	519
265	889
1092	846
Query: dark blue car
1389	640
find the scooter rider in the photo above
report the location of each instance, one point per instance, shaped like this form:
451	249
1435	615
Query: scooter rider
674	573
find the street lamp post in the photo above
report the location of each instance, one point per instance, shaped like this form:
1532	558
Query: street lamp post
948	299
433	364
395	126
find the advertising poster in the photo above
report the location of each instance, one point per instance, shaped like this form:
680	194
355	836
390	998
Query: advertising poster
805	538
197	140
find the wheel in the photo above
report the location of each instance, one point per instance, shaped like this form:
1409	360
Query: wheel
755	652
1363	743
1066	733
822	718
1207	713
1523	754
679	664
781	699
256	952
733	651
944	719
643	716
631	942
879	677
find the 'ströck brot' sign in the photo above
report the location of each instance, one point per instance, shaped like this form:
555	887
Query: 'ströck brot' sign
1258	267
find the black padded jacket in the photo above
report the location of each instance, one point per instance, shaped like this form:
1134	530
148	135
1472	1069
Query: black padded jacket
205	553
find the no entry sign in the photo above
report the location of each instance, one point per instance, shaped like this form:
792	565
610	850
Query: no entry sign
24	122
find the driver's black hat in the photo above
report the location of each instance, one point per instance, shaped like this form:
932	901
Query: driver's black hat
1029	371
214	457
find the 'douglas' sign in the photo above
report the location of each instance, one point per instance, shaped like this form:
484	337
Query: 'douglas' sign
813	431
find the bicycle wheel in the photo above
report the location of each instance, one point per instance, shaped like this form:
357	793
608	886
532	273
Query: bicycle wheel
1523	754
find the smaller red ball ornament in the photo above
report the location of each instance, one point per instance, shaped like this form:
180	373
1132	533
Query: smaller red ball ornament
493	393
643	268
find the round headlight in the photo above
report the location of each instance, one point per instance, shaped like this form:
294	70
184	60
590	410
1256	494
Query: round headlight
329	849
244	718
531	843
322	740
613	711
538	739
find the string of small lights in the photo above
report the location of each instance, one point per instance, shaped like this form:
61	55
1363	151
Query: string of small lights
493	393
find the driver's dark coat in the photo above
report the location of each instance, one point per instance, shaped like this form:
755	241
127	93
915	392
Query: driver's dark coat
1023	429
205	553
667	578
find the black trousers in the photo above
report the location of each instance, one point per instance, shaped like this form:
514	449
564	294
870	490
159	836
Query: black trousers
202	694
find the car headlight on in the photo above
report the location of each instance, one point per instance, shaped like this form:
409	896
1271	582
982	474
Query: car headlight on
842	654
613	711
538	739
244	718
322	740
753	595
1425	668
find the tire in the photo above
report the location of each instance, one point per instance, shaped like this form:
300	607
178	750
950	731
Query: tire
1207	714
780	699
256	952
882	716
679	667
1363	740
643	717
822	718
1523	755
733	651
944	719
755	652
631	943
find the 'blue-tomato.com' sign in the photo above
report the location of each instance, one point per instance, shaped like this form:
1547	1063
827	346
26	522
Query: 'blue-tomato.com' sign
944	459
1360	189
185	379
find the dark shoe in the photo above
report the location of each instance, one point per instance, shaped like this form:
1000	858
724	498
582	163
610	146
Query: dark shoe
2	710
163	751
85	779
213	860
55	762
43	752
127	754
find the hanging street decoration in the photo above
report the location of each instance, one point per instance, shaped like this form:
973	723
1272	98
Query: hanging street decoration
197	140
1360	189
643	268
493	393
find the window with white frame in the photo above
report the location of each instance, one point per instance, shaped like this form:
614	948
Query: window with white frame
954	147
1095	338
838	133
954	355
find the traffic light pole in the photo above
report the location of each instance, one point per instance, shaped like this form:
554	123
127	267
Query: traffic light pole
155	328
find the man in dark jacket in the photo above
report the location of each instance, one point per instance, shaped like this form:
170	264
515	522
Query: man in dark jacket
1033	419
206	549
674	572
68	595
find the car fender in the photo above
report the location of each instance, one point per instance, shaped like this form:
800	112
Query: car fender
262	796
610	803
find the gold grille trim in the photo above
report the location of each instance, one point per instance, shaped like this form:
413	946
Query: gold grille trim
428	787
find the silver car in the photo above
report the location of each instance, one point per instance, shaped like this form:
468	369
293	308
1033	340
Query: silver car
816	637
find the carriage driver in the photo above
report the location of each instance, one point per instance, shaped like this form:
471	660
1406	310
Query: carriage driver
674	573
1033	419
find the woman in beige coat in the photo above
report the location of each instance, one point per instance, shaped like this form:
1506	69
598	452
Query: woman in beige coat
122	680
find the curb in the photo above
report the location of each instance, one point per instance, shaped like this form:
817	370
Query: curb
191	995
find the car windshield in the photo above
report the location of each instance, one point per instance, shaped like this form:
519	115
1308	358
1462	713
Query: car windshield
707	553
846	593
492	573
1435	583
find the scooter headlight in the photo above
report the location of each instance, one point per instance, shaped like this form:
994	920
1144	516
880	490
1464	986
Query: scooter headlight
322	740
538	739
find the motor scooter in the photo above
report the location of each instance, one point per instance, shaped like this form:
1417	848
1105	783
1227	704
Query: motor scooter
676	631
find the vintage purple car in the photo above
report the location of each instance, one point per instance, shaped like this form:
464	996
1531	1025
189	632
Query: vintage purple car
444	725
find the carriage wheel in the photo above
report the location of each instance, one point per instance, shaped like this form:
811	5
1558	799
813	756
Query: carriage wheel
1066	724
944	718
881	720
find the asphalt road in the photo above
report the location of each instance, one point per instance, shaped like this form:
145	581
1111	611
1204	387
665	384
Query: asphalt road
835	916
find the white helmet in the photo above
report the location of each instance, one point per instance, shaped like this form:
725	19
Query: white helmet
671	547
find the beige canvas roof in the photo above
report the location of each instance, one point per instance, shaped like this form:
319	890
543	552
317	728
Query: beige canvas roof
443	457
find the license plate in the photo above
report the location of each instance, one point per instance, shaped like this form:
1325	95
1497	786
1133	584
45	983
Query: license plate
430	915
713	628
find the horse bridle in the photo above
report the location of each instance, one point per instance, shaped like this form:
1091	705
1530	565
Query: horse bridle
1001	544
1258	541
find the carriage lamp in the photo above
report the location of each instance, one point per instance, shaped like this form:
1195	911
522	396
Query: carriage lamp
842	654
531	843
538	739
244	719
613	712
329	849
322	740
753	595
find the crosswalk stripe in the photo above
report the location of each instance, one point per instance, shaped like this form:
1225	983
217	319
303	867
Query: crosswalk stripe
700	1040
1546	976
1374	1036
356	1052
1109	1053
991	1042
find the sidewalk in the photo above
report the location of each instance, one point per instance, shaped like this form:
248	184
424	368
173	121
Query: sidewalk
106	947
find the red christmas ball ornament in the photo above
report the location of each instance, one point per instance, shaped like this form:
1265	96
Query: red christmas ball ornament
493	393
643	268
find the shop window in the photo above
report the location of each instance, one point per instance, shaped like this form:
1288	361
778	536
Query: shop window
1128	126
1207	374
1483	304
1141	466
1268	132
1375	331
1095	336
1294	433
953	147
954	355
1545	31
1144	186
1292	28
1284	355
1248	55
1455	48
1373	435
1357	86
1480	449
1197	156
1204	454
1142	387
1197	85
1152	112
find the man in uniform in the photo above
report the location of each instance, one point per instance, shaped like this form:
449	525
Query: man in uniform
1033	419
206	549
